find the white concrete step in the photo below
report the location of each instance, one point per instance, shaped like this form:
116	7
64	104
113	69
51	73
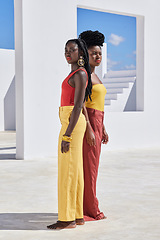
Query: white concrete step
111	96
125	73
114	90
116	85
107	102
119	105
119	79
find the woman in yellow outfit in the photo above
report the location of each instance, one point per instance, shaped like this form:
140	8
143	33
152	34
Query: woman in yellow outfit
95	131
75	89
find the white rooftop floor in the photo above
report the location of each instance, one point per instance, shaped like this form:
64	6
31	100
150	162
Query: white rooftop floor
128	190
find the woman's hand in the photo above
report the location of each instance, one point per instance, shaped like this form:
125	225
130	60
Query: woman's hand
65	146
105	137
90	137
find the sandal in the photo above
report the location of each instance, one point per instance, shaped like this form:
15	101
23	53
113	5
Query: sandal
80	221
62	225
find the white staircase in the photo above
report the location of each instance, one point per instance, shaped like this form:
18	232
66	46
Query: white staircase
119	85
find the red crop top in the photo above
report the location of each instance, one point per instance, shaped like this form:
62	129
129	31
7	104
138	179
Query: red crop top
67	94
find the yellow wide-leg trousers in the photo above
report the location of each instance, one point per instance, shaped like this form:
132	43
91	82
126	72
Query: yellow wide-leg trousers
70	169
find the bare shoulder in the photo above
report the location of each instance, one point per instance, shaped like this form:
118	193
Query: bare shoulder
81	74
95	79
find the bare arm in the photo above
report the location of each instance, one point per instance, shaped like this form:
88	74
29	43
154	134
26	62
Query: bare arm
105	137
80	79
90	137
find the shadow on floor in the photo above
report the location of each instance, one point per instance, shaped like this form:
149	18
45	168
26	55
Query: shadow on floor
6	156
26	221
7	148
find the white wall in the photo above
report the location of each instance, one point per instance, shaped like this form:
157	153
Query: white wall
7	93
45	28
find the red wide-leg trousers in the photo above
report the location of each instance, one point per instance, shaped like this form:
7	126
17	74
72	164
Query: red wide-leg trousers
91	156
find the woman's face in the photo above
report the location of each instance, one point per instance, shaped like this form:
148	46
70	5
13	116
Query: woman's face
95	56
71	52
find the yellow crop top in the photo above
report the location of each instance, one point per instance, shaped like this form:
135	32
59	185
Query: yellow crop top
98	97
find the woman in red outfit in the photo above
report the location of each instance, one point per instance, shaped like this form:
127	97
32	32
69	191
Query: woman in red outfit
95	132
75	89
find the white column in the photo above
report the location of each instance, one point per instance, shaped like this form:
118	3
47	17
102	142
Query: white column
41	30
19	79
140	64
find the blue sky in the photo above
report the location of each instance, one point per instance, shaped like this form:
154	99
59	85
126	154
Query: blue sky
120	36
7	24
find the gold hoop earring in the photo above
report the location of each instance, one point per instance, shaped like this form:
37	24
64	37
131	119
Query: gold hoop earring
81	62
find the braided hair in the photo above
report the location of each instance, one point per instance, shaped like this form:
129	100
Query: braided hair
92	38
83	47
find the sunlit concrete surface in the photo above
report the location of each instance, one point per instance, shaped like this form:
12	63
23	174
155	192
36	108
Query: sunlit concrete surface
128	189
